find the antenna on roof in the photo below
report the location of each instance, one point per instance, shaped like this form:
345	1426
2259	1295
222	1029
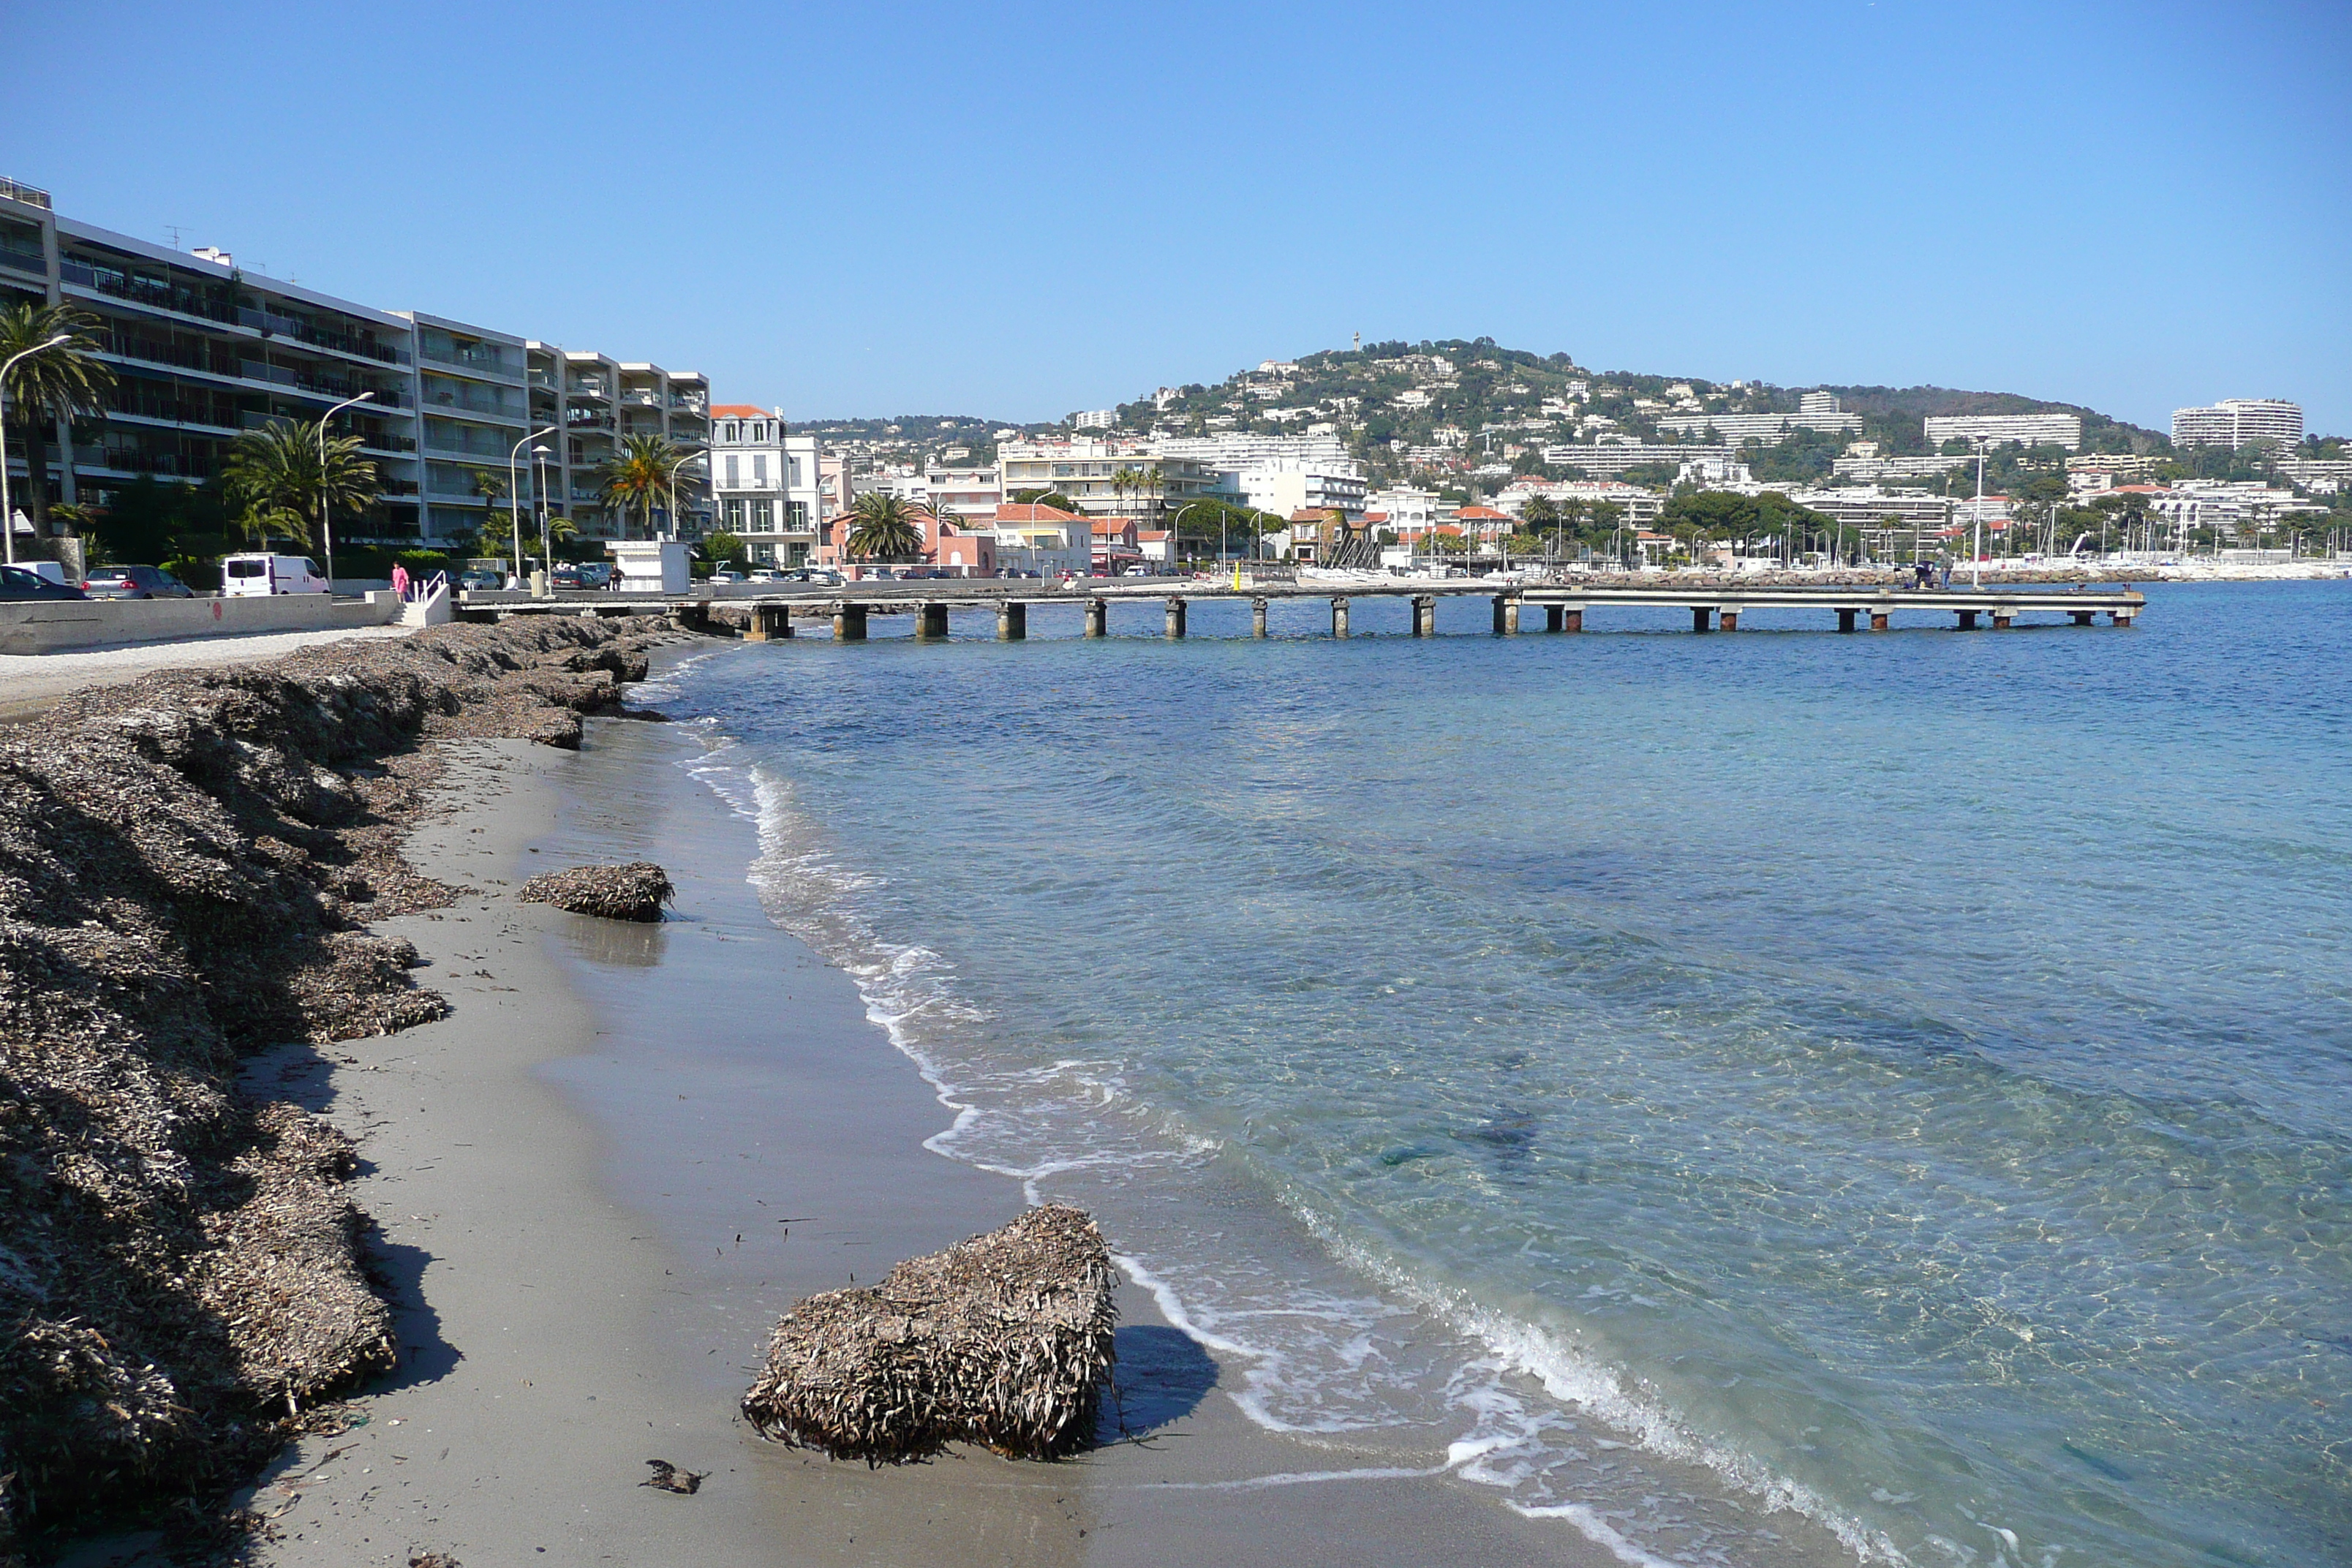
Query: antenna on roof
174	230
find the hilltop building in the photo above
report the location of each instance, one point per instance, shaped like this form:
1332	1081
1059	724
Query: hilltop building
2000	429
2237	422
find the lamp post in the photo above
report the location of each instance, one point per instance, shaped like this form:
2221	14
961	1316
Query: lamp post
7	511
326	528
1976	545
514	516
538	455
674	467
1176	529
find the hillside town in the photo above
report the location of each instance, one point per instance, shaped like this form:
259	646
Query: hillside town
482	444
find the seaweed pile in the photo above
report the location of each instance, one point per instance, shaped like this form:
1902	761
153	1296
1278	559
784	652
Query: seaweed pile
635	891
1005	1340
185	864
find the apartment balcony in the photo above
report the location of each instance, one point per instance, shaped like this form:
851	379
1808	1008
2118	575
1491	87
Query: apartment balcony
20	258
483	359
132	461
159	295
17	191
588	389
640	397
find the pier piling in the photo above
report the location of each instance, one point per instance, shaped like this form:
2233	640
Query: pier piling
769	623
1845	620
1702	616
1555	617
1097	618
2080	617
1012	621
1257	617
1425	615
1175	619
2001	619
1728	618
849	623
931	623
1878	620
1501	629
1338	618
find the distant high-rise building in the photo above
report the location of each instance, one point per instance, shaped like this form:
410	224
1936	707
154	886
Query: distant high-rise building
2000	429
2237	422
1095	420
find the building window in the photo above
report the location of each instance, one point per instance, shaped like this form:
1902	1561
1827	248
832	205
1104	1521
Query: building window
763	517
759	470
796	515
732	511
734	479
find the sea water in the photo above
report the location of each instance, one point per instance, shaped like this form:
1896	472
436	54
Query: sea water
1904	1077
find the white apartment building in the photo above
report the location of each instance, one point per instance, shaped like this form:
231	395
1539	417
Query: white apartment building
2323	476
763	484
1815	411
1872	468
1406	511
1087	472
2000	430
1286	490
596	402
964	492
1095	420
2237	422
1608	459
1243	449
1044	539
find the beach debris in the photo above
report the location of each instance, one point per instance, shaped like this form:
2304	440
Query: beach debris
1005	1340
669	1477
434	1559
635	891
186	863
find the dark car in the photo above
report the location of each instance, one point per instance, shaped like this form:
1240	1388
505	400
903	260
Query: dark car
134	582
566	575
595	573
15	583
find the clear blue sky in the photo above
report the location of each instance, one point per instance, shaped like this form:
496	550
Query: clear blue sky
1016	211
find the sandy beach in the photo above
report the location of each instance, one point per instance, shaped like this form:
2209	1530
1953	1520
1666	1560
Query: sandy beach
625	1154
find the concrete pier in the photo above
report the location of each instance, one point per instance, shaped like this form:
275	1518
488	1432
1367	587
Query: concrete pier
1878	621
1257	617
1728	617
1338	618
1175	617
1097	617
1555	617
1425	615
769	623
1845	617
1012	621
1702	618
849	623
931	623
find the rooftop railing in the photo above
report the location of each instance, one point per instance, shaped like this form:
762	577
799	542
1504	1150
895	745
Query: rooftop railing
17	191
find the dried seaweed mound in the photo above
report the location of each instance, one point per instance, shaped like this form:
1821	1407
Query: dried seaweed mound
185	865
635	891
1005	1340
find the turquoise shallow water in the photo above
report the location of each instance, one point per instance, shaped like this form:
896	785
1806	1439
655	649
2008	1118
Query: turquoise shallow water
1907	1075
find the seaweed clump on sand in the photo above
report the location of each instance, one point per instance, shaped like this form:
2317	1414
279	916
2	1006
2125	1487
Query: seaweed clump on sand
1005	1341
635	891
186	861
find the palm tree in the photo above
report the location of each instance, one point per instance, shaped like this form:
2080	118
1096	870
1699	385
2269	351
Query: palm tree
274	479
48	384
639	475
491	486
882	527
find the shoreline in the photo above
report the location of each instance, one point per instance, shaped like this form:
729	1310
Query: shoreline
570	1329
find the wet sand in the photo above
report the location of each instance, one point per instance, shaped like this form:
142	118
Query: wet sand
626	1152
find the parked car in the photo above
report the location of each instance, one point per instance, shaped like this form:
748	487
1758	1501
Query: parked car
595	573
134	582
817	574
18	582
481	580
1138	570
766	575
565	575
726	576
261	572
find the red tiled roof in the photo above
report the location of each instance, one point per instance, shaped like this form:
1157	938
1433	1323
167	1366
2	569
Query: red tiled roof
1483	514
737	411
1033	512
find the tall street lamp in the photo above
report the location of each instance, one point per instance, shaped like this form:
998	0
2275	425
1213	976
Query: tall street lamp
674	467
514	518
538	495
7	512
326	528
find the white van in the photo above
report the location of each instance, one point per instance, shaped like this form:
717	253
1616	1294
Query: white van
259	574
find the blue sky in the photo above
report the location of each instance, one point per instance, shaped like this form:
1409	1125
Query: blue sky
1016	210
